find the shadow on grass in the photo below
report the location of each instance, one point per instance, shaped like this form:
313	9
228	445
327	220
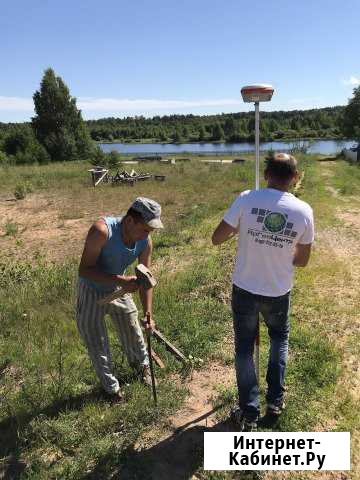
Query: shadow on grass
12	428
177	457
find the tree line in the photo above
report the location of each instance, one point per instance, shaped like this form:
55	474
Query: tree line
232	127
58	132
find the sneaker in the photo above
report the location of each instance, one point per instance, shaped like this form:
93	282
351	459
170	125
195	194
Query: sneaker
243	424
274	410
146	376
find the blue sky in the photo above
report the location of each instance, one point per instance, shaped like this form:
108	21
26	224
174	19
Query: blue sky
159	57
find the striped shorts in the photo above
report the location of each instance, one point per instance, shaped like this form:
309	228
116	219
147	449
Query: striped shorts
92	328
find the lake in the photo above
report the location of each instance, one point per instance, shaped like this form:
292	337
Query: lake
325	147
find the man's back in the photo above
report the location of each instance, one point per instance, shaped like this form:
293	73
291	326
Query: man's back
271	222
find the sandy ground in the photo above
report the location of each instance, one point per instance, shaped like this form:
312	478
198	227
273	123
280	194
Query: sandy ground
41	228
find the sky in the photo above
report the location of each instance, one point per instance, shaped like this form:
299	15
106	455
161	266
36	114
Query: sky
125	58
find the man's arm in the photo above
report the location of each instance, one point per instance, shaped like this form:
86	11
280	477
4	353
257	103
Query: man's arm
302	254
146	295
95	241
222	233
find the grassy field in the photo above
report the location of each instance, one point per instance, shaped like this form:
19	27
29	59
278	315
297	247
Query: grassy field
54	421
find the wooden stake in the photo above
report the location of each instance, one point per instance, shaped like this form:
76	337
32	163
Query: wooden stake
169	346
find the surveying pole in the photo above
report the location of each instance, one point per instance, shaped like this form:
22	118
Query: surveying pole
257	94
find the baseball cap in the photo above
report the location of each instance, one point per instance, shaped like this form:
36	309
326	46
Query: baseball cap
149	210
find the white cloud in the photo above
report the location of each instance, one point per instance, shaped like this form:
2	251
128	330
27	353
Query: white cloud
16	104
120	105
353	81
97	107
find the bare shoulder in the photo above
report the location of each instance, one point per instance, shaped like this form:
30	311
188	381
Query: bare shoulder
98	232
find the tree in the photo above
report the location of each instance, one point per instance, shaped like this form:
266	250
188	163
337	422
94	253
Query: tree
202	133
251	125
218	132
58	124
23	147
176	136
351	119
185	132
162	135
99	158
17	140
229	127
113	158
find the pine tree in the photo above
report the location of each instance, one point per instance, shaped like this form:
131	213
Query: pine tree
58	124
351	120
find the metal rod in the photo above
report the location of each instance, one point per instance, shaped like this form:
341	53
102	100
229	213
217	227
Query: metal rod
257	186
148	335
257	147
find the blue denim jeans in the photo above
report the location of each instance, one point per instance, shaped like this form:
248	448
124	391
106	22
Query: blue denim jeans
246	307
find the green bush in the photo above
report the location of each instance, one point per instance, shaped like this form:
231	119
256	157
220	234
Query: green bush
98	158
34	153
21	147
22	189
11	229
17	140
113	158
4	159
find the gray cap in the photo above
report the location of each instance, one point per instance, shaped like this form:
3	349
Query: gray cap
149	210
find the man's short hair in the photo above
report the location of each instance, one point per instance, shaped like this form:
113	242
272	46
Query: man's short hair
136	216
281	166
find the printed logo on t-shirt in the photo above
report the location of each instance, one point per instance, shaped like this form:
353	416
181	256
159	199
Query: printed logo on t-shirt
275	222
276	230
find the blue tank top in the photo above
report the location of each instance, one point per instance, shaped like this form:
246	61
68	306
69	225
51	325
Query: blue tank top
115	257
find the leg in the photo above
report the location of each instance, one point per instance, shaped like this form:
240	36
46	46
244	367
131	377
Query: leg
245	314
276	316
92	329
124	315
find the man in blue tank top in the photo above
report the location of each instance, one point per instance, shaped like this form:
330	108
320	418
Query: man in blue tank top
112	244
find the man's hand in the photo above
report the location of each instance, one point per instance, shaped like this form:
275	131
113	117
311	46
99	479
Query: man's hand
222	233
149	326
128	284
301	255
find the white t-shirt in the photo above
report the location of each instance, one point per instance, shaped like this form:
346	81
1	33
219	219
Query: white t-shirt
270	223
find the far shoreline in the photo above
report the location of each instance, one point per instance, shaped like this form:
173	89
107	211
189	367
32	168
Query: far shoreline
219	142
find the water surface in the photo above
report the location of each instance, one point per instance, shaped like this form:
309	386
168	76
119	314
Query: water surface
325	147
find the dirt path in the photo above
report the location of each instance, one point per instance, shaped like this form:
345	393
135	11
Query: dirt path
174	452
344	244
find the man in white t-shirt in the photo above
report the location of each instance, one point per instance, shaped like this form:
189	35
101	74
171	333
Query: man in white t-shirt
275	232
